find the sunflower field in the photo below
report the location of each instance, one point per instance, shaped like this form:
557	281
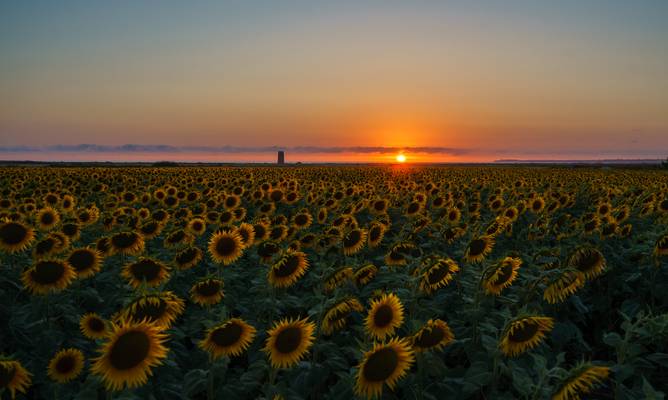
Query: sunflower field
318	282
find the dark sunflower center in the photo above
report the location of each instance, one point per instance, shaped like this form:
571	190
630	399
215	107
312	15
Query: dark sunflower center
536	205
227	335
276	232
151	310
287	267
45	246
525	333
505	272
7	373
130	349
186	256
663	244
226	246
476	247
65	364
208	288
96	325
147	270
590	226
288	340
177	236
13	233
664	205
413	208
396	255
70	229
383	316
198	226
47	218
81	260
245	235
379	205
589	261
380	365
374	233
436	274
47	272
123	240
301	219
352	239
429	337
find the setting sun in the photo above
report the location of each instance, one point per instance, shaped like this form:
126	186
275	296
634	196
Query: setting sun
401	158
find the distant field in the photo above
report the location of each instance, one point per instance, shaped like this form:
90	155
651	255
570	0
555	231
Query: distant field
333	282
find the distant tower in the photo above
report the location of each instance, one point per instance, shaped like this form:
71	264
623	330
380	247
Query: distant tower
281	157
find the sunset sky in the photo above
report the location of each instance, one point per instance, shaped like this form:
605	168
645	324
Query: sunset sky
334	81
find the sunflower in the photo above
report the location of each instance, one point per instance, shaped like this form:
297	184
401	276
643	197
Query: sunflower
336	317
188	258
385	315
536	205
524	333
71	229
386	363
128	243
47	218
178	238
581	380
434	335
291	266
131	350
231	338
567	283
66	365
376	233
48	276
478	249
379	206
93	326
247	233
267	250
439	273
336	278
85	261
365	274
589	261
661	246
226	246
302	220
261	230
288	341
13	377
207	292
453	215
15	237
145	271
501	275
161	309
150	229
353	241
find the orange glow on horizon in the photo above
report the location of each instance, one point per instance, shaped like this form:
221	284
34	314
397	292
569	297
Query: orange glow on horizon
401	158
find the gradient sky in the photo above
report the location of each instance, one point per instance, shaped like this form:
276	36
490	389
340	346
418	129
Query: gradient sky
496	79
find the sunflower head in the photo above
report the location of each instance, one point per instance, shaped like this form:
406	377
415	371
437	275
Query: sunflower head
161	309
438	273
580	380
524	333
93	326
188	258
588	260
661	246
226	246
434	335
563	285
207	292
48	276
365	274
353	241
336	317
13	377
501	275
337	278
291	266
15	236
66	365
478	249
386	314
145	271
130	351
231	338
288	341
85	261
129	243
386	363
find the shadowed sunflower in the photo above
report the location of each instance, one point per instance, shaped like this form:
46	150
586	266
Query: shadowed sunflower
384	364
48	276
581	380
131	350
93	326
661	246
207	292
86	262
365	274
353	241
161	309
434	335
302	220
376	234
188	258
336	316
226	246
150	229
15	237
247	233
13	377
524	333
589	261
288	341
291	266
47	218
501	275
196	226
478	249
66	365
145	271
564	285
230	338
337	278
385	315
128	243
439	274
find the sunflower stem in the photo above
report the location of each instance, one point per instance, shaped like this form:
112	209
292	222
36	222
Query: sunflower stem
210	387
420	368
